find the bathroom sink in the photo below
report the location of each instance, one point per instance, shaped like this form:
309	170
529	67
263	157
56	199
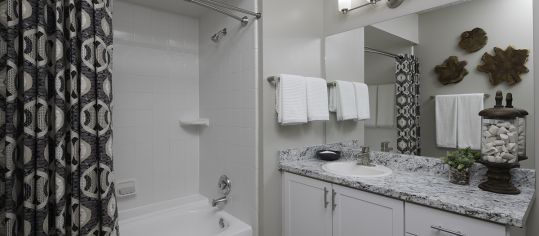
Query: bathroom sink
352	169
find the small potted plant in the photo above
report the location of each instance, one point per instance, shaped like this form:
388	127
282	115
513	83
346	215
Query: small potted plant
460	162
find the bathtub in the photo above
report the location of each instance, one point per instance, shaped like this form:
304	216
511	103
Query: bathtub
192	216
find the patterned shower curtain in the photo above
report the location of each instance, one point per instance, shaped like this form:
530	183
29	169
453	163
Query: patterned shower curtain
55	118
407	102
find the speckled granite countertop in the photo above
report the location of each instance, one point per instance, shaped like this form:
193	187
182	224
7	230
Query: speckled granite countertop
424	181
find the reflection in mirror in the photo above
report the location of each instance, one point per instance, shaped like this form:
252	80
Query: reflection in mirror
396	59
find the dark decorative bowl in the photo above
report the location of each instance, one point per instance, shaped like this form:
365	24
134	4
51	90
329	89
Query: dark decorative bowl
328	155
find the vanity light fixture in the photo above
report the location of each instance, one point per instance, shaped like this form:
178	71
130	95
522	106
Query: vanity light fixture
346	5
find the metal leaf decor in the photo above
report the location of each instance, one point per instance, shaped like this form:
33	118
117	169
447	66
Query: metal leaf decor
473	40
505	65
451	71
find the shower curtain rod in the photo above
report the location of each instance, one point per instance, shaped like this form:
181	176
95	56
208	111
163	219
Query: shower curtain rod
372	50
217	6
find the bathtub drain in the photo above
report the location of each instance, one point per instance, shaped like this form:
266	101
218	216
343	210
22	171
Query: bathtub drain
222	223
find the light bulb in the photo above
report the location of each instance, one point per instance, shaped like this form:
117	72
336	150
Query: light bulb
345	5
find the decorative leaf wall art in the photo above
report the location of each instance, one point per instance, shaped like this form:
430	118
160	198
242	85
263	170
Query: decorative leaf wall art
451	71
505	65
473	40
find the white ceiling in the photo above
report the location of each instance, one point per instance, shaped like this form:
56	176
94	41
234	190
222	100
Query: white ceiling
176	6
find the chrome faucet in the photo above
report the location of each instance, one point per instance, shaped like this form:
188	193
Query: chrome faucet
224	184
216	202
384	147
364	157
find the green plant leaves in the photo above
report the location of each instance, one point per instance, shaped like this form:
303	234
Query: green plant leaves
461	159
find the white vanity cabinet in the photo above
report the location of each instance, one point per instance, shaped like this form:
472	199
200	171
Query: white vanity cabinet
316	208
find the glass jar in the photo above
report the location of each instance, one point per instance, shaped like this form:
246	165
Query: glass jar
499	140
503	138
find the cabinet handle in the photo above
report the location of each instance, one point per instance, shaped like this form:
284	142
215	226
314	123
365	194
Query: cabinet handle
333	194
453	232
326	197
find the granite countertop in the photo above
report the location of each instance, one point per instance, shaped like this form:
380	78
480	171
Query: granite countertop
422	180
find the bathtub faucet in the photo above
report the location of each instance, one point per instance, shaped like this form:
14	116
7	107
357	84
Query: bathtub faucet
215	202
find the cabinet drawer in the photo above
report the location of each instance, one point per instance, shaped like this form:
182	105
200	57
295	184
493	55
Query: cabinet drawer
424	221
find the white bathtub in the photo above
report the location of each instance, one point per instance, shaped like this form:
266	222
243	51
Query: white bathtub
192	216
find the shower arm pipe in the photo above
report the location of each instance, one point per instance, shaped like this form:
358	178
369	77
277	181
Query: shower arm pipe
258	15
244	20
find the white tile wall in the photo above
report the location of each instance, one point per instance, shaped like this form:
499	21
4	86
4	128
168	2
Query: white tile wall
228	75
155	83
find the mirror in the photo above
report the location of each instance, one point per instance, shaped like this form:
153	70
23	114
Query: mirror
402	102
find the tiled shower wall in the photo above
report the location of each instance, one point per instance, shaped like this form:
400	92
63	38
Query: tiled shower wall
228	98
155	81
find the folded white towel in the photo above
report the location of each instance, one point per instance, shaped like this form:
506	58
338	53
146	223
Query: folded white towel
345	100
362	101
446	121
373	98
291	100
317	99
386	105
469	121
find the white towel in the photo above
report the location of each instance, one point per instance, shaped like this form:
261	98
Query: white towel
446	121
373	98
469	121
345	100
386	105
333	99
291	100
317	99
362	101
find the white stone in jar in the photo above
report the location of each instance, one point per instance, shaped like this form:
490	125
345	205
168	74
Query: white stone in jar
502	130
493	129
508	156
498	143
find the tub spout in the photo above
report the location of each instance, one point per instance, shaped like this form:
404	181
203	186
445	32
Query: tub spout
215	202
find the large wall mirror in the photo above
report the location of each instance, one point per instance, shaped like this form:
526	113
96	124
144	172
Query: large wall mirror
396	59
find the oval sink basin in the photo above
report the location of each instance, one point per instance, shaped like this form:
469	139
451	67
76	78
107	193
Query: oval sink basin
352	169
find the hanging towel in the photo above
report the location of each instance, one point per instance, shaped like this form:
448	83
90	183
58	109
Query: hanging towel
446	121
362	101
317	99
291	100
332	99
373	98
469	121
386	105
345	100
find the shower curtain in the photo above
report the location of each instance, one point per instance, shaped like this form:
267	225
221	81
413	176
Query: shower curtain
407	102
56	172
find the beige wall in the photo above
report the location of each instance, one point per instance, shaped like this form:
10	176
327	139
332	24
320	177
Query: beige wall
439	31
292	43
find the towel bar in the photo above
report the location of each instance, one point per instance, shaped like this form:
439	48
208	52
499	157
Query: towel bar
273	80
433	97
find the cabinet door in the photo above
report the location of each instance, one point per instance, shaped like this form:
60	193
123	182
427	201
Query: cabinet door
360	213
306	206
